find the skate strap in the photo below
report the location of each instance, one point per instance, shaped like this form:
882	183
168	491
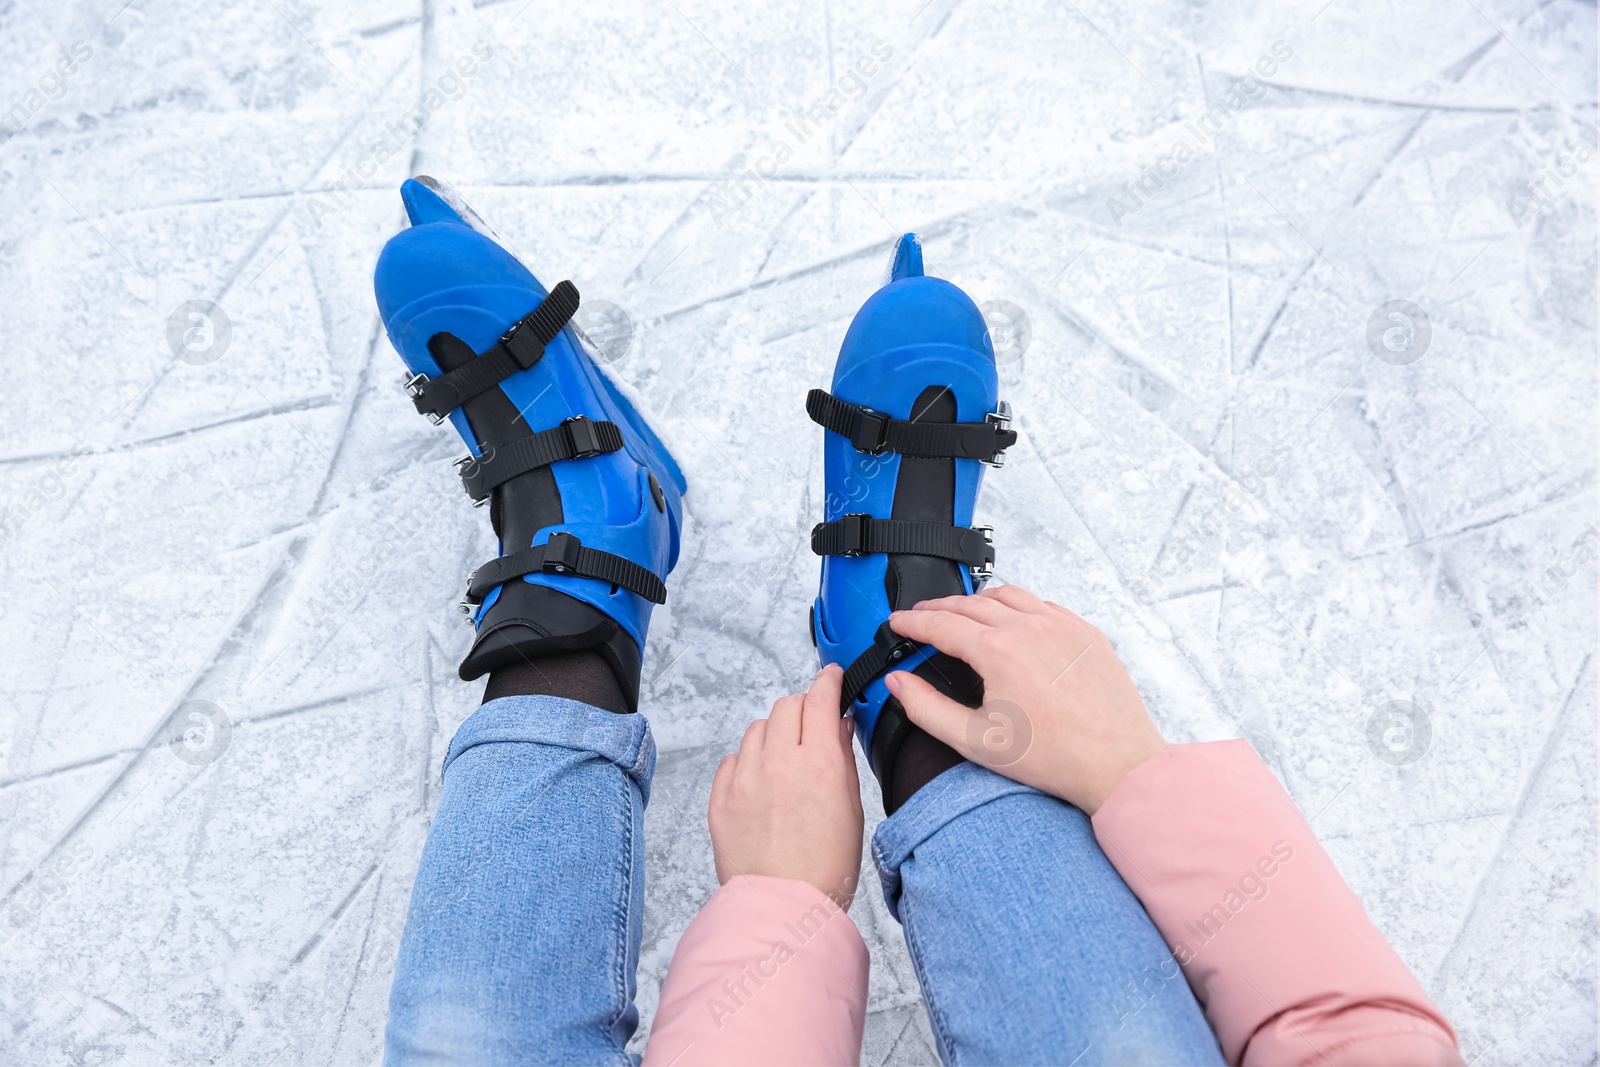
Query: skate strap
565	554
862	535
887	649
519	348
575	438
872	432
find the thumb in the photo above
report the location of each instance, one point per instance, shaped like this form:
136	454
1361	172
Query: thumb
716	808
721	782
931	709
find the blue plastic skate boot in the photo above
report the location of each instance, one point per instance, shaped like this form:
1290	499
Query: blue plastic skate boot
584	497
913	418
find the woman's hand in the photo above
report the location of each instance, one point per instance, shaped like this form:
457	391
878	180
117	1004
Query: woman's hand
788	803
1060	713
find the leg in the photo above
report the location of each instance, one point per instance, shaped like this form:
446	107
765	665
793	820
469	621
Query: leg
1028	945
523	933
581	676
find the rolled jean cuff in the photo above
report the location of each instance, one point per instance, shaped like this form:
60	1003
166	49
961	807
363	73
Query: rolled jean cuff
948	797
556	721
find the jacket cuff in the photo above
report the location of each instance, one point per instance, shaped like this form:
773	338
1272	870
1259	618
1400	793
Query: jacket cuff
1271	939
770	971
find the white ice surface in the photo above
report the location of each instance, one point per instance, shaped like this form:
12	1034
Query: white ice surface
277	533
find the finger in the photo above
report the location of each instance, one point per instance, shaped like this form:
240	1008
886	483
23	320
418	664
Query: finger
721	782
980	608
931	709
1016	598
847	734
755	737
820	710
783	724
1068	612
955	634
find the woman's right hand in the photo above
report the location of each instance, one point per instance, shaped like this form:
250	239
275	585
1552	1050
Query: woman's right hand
788	804
1060	712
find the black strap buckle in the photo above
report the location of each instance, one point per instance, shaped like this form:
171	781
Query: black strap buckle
583	436
860	534
519	348
870	434
888	649
578	437
895	647
561	553
874	433
524	351
1001	421
853	533
417	389
470	469
982	572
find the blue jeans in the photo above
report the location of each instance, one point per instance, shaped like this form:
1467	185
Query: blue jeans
523	934
1028	945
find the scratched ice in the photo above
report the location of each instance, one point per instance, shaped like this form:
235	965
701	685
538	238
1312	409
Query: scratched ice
1296	303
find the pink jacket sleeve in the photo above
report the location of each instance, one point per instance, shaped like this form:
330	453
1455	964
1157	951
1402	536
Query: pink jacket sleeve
1277	948
771	971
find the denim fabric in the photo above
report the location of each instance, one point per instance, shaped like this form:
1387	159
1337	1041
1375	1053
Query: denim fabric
523	934
522	938
1028	945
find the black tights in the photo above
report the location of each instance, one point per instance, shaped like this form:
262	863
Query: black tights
585	677
575	675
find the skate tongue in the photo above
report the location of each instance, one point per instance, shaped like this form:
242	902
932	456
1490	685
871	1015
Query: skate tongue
423	205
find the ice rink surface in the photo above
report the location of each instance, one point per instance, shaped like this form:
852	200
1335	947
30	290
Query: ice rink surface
1295	304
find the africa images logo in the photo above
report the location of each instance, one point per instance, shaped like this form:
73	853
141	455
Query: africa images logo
1199	132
